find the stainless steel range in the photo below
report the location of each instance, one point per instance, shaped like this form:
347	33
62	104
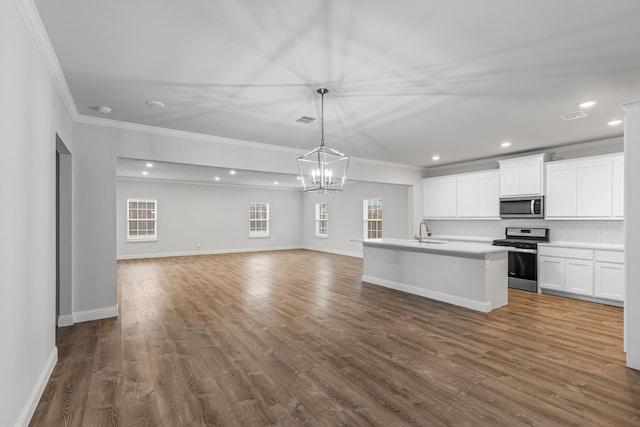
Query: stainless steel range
522	244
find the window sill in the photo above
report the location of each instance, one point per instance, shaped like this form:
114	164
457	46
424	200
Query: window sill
260	237
321	237
141	240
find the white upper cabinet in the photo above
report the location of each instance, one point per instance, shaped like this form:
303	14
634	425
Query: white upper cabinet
523	176
472	195
439	197
594	188
488	201
586	188
562	182
617	195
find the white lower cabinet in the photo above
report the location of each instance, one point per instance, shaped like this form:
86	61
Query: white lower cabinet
609	275
578	276
551	275
587	272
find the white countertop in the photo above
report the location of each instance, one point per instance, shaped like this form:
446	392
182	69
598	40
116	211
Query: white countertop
583	245
464	238
450	246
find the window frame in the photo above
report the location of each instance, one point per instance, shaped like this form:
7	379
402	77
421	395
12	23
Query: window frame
367	221
154	220
258	233
319	220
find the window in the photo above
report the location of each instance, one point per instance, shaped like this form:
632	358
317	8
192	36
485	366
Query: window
141	220
322	220
372	213
258	219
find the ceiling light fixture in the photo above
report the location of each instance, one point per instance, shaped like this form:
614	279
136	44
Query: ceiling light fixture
102	108
435	158
149	165
588	104
145	173
614	122
217	178
505	144
232	172
275	182
156	104
323	169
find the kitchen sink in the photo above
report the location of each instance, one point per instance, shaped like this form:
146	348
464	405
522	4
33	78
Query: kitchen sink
434	241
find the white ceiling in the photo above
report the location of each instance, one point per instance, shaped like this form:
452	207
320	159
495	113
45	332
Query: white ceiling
407	79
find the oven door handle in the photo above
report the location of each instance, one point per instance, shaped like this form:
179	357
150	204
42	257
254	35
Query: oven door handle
522	250
533	207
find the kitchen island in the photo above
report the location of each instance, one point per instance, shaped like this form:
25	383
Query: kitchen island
471	275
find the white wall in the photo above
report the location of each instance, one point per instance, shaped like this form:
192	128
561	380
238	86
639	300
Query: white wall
31	113
632	243
346	218
215	216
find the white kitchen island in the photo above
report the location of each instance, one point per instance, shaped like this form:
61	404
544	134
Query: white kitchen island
471	275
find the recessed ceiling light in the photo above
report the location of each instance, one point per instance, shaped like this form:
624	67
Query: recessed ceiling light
217	178
102	108
232	172
145	173
506	144
156	104
298	178
614	122
275	182
588	104
435	158
149	165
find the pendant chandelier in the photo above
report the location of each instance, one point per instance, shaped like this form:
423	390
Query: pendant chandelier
323	169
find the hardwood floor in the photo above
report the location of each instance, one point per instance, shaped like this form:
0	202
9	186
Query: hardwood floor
295	338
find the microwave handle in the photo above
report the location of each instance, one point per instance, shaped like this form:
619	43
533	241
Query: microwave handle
533	204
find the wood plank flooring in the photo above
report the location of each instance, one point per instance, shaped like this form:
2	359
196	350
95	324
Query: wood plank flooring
295	338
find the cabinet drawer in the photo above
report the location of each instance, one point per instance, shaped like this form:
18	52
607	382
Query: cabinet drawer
566	252
610	256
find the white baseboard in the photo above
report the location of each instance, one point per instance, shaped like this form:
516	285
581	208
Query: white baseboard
333	251
38	388
65	320
439	296
100	313
206	252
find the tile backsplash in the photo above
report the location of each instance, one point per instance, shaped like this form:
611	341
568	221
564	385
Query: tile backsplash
605	232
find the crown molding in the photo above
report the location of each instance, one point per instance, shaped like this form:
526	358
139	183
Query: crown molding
33	22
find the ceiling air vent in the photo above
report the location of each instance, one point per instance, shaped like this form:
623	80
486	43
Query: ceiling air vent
305	119
572	116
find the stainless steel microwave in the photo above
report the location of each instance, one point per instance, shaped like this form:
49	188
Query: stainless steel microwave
522	207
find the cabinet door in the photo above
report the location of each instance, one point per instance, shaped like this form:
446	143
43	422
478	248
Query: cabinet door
617	192
448	199
439	197
531	177
551	272
467	188
488	201
509	179
594	188
561	190
429	199
578	276
609	281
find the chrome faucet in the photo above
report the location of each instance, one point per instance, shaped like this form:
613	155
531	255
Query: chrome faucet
419	238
